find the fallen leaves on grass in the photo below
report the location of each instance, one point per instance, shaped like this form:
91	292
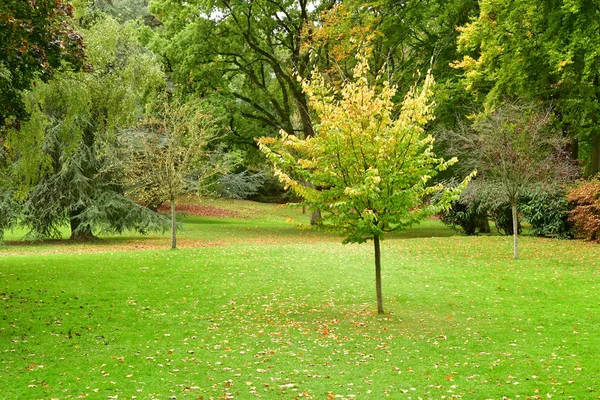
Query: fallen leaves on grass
201	211
67	247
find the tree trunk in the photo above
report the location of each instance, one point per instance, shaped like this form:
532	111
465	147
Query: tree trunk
307	127
173	224
483	224
77	231
594	166
573	150
378	274
515	223
315	217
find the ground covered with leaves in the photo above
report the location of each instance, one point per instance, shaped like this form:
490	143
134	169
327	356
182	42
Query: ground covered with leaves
272	312
198	210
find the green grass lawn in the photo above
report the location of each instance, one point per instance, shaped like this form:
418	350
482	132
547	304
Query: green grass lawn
263	310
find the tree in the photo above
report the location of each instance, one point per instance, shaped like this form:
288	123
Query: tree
9	208
59	168
167	156
515	149
408	37
371	172
243	56
542	51
36	37
247	52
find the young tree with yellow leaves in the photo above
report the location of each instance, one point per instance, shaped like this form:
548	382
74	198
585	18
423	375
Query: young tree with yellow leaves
369	171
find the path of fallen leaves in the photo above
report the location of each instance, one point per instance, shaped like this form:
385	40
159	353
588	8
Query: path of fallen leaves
254	234
201	211
101	246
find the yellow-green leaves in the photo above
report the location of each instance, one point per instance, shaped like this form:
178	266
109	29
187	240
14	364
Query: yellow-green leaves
369	170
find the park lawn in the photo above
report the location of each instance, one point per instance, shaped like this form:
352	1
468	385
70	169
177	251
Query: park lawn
265	310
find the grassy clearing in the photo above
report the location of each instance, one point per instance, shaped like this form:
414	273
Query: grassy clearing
268	311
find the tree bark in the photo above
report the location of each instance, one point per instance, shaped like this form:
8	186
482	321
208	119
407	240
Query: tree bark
173	225
573	149
515	223
315	217
78	233
378	274
594	167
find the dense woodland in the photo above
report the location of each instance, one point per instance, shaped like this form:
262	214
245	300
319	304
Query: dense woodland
109	108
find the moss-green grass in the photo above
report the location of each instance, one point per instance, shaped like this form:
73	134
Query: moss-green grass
272	312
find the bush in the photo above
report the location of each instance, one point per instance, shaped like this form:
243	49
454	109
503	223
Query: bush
240	185
584	199
272	191
466	217
547	213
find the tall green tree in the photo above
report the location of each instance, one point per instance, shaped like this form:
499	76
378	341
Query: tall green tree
59	170
408	37
36	37
248	54
540	50
370	171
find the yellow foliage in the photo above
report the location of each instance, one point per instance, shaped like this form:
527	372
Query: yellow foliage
370	168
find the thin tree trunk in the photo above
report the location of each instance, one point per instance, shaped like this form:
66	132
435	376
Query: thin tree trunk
594	167
173	224
378	274
515	222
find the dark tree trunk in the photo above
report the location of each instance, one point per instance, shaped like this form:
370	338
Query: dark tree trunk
594	166
483	223
315	217
79	232
307	127
573	149
378	274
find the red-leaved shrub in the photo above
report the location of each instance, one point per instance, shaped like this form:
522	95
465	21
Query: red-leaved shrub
585	202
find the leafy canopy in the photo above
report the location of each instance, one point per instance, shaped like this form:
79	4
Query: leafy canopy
36	37
167	154
516	148
58	165
369	171
541	51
